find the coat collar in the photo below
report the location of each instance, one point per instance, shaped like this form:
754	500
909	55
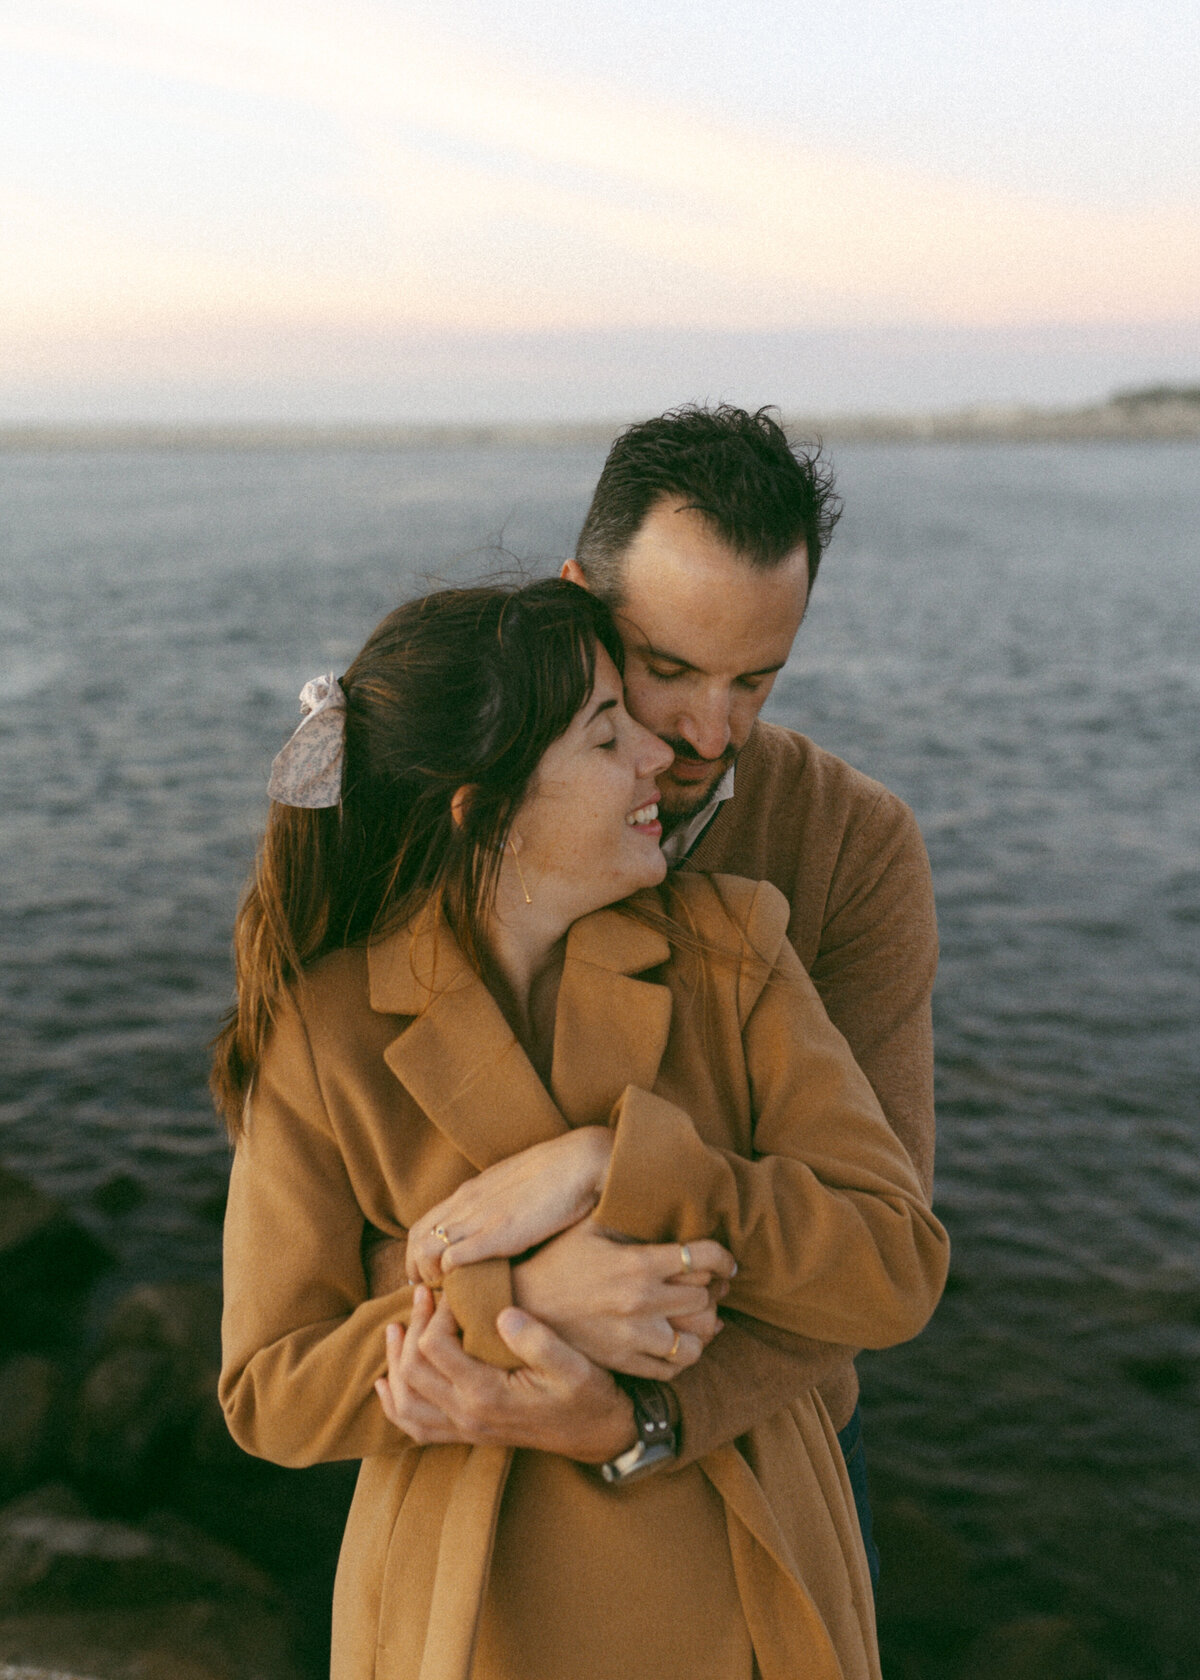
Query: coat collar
461	1062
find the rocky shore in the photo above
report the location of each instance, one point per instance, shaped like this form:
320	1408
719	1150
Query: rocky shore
1158	414
1161	413
137	1542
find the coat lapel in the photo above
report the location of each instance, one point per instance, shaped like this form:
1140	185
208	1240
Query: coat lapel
462	1064
611	1027
458	1058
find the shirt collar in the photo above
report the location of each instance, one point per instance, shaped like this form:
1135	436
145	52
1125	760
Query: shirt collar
680	842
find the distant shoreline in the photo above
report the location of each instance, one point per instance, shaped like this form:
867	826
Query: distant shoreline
1157	415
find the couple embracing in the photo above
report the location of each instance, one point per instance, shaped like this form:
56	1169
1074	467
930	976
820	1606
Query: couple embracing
581	1084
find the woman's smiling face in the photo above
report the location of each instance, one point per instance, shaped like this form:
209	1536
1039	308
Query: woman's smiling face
587	832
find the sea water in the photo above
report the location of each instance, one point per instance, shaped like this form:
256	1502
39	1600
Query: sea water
1009	637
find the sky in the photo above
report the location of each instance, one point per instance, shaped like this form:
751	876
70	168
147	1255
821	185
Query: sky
525	209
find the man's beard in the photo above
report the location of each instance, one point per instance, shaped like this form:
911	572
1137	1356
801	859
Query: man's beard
684	805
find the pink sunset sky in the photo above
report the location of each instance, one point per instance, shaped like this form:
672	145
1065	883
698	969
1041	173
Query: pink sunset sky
354	209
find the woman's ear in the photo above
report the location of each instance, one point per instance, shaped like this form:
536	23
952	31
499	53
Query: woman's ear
460	803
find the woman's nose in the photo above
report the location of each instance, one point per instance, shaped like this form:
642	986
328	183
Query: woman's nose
655	754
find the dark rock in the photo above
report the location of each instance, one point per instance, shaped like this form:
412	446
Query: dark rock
119	1195
158	1600
211	1446
181	1318
1034	1648
10	1671
282	1519
290	1523
133	1410
24	1672
150	1397
55	1555
926	1574
30	1388
47	1262
200	1640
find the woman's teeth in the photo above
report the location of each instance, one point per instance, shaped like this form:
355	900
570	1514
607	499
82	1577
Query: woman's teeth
647	814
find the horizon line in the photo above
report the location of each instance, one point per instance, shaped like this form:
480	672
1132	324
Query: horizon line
1164	411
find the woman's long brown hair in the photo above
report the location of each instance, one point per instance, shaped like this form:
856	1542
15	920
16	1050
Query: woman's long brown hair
465	687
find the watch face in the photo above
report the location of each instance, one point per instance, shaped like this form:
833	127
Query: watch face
637	1461
641	1457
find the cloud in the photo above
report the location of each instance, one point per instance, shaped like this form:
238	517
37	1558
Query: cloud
495	197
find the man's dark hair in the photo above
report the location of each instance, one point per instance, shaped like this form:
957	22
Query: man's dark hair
761	495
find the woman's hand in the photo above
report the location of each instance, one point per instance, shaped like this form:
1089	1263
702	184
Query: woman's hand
512	1206
558	1401
629	1307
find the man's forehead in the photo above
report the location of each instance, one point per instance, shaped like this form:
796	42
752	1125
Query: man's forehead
689	599
680	548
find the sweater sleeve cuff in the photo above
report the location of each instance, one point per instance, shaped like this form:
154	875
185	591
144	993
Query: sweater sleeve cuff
477	1295
662	1182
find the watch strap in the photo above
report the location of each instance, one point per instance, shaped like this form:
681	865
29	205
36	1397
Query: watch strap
655	1442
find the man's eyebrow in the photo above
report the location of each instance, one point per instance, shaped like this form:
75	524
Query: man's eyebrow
604	706
649	651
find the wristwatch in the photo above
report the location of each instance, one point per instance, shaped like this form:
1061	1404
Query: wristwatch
655	1442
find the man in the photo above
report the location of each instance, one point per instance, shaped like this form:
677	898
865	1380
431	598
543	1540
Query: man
705	535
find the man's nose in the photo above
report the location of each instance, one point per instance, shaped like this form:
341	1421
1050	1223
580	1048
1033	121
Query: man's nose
705	725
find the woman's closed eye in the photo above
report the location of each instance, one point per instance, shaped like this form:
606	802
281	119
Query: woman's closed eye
607	746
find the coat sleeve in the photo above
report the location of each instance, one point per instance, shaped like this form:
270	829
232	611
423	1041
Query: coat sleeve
828	1221
302	1345
873	965
875	969
747	1374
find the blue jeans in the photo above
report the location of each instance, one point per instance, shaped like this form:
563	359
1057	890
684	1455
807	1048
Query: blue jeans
851	1443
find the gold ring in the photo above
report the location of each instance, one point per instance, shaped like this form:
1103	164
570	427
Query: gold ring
441	1234
674	1348
685	1258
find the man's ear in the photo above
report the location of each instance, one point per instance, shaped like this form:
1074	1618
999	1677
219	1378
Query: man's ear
460	803
573	572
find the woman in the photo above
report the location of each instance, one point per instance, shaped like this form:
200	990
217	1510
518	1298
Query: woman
444	1034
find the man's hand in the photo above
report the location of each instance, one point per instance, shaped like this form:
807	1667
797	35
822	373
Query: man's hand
628	1306
513	1205
557	1402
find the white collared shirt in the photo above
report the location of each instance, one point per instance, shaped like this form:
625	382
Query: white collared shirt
679	843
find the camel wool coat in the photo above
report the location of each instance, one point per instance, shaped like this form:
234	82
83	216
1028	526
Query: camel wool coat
738	1112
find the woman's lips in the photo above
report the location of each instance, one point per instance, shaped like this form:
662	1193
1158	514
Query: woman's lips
645	819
